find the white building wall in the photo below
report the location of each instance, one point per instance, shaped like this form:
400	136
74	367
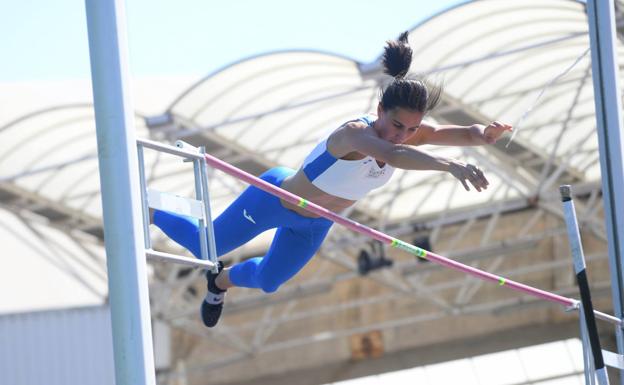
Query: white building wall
60	347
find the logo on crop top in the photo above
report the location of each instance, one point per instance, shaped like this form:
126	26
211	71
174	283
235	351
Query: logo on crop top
372	173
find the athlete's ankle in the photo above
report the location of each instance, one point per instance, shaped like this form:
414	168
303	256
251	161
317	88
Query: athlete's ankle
211	278
219	285
221	280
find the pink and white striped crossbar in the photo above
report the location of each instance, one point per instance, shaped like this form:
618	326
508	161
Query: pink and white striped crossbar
227	168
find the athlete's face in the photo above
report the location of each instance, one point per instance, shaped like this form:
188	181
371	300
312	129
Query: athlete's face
397	125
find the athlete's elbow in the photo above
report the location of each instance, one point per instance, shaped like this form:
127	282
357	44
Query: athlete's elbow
395	157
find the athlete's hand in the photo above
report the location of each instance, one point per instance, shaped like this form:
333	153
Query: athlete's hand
493	131
468	172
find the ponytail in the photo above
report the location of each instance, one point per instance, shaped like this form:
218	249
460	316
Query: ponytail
397	57
403	91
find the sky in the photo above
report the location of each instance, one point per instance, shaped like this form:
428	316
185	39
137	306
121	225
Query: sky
47	40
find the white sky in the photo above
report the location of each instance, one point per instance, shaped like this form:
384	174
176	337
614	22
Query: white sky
47	40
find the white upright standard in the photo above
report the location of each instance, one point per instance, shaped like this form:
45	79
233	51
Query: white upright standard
606	78
121	200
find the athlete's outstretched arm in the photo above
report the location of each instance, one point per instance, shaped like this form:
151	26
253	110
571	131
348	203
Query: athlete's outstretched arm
454	135
408	157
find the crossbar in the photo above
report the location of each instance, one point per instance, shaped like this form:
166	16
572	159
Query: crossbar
569	303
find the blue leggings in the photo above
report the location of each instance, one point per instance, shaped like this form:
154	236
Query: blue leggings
296	241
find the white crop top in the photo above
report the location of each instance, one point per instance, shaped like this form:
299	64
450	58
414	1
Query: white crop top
348	179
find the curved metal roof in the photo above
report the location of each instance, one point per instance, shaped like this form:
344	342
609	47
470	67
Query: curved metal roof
274	107
280	104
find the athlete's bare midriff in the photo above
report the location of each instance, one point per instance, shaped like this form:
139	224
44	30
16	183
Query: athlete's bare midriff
299	184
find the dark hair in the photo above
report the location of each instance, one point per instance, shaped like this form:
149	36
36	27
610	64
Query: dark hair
411	93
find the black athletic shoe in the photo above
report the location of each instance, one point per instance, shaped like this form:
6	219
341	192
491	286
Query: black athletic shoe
212	305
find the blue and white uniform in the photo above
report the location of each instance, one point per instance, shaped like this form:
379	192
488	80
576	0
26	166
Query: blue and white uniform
298	237
348	179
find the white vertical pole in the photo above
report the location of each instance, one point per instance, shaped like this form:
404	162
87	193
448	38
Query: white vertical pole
212	248
144	199
121	202
203	223
608	104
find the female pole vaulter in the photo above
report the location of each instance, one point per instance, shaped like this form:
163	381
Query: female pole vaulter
357	157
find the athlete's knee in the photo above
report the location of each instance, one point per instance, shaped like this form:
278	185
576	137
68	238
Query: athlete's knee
267	284
269	288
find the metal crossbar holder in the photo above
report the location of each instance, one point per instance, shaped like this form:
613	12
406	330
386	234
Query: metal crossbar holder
169	149
173	203
198	208
187	147
158	255
574	307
